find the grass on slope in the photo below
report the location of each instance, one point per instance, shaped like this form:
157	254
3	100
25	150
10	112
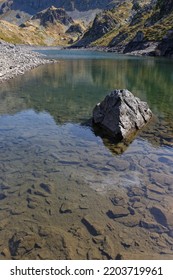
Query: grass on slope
33	35
155	32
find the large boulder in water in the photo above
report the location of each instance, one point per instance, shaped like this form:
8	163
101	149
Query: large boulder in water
121	114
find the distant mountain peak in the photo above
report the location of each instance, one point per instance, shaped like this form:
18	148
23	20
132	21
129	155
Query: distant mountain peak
52	15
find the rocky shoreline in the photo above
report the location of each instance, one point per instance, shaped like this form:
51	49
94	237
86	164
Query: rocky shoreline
150	51
163	48
16	60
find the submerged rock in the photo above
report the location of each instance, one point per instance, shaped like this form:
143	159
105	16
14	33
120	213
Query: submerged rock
118	212
93	227
121	114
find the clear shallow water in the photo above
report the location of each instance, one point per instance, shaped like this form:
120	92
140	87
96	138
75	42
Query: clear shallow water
57	175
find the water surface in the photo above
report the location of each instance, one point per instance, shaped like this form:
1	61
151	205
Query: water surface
66	193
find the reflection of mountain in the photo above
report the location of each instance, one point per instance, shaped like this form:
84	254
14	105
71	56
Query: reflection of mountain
69	89
11	101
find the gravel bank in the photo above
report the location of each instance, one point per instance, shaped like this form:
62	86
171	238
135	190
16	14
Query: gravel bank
16	60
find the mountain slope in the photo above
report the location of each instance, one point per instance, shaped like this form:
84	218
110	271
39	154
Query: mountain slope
146	28
19	11
134	26
33	35
45	28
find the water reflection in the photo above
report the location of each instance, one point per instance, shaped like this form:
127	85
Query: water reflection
59	180
72	86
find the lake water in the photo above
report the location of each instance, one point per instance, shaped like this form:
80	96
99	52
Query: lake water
67	193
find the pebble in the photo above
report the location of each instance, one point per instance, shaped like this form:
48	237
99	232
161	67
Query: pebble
154	188
67	207
119	165
154	196
137	204
118	212
127	242
160	179
5	253
2	196
152	226
46	187
92	227
159	215
130	220
16	60
39	193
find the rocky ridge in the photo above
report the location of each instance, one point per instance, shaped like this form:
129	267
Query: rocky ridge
53	15
102	24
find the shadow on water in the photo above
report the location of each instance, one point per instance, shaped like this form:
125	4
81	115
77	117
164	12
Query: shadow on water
69	89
